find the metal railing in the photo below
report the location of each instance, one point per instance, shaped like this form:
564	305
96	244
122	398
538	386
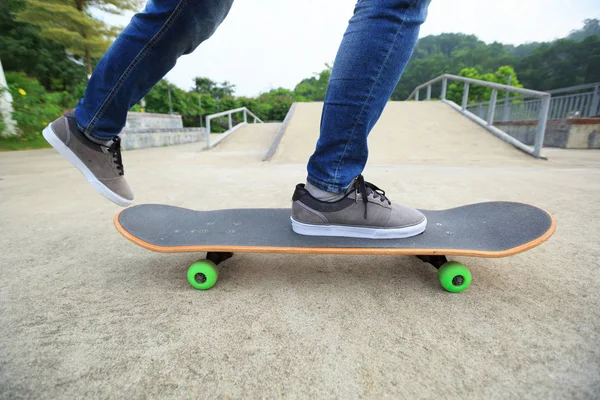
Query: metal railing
583	104
231	127
491	114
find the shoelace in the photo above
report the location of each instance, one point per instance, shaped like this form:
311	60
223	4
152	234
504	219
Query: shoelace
115	150
367	188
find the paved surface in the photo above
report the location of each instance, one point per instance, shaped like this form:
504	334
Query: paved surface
85	313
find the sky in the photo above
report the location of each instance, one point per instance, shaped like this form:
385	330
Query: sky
266	44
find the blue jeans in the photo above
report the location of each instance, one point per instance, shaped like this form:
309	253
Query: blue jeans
376	47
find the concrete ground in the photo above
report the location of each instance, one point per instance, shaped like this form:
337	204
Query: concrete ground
87	314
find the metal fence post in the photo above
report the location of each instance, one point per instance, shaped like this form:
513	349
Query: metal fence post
570	105
245	116
541	128
585	105
465	98
595	100
428	92
444	85
207	133
577	104
506	110
417	95
492	107
229	120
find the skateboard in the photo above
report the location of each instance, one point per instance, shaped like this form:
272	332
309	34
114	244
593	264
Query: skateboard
491	229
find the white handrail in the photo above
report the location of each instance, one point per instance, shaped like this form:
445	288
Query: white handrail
231	128
488	124
497	86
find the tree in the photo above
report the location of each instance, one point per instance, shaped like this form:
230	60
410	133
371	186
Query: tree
315	87
590	27
22	49
71	24
523	50
212	88
277	103
561	63
479	93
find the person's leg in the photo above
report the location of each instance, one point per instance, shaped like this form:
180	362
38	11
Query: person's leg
376	47
140	56
336	201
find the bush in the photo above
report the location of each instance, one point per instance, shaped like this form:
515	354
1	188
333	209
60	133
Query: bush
2	124
34	107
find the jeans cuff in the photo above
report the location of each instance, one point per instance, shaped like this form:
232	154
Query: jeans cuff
94	138
328	187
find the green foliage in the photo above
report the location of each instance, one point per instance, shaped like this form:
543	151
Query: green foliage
314	88
19	142
450	53
2	124
562	63
212	88
479	93
199	102
277	103
590	27
33	106
71	24
540	66
22	49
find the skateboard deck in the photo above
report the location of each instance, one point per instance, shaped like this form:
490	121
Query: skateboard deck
491	229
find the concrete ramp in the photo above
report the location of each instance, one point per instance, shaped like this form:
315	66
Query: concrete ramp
249	142
407	133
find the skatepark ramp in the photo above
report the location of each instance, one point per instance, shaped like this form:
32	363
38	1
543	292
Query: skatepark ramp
250	141
407	133
530	105
232	123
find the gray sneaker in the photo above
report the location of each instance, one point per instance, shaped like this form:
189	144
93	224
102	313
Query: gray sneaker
364	212
101	165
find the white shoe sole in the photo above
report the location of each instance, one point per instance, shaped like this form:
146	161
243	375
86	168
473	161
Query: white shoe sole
358	232
64	151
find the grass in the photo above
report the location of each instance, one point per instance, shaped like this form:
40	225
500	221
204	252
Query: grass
24	142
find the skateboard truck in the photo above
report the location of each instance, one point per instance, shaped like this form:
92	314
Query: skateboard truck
218	257
203	274
436	261
453	276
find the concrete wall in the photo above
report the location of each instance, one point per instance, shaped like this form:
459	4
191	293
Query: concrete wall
585	136
137	120
158	138
580	133
144	130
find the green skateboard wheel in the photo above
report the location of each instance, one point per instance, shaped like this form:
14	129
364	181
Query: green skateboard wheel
202	274
454	277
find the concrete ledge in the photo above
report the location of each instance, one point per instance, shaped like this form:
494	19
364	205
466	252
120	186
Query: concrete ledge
151	121
280	133
580	133
133	139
